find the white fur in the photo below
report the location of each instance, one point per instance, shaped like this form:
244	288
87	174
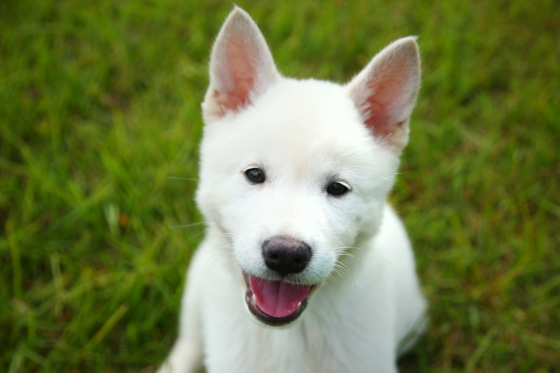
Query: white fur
304	134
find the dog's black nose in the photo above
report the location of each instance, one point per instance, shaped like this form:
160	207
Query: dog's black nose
286	255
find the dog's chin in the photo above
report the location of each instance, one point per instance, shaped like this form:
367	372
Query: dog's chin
286	316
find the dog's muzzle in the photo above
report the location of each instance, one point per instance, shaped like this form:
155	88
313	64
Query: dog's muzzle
280	301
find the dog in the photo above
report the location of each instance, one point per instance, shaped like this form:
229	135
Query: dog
304	266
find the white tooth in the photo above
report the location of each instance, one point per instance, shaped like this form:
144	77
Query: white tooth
299	304
254	299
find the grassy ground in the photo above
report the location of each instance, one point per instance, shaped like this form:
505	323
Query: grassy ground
99	123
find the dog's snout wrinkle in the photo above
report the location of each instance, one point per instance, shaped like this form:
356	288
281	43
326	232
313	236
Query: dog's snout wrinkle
286	255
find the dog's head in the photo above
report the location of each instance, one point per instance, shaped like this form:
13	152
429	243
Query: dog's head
296	173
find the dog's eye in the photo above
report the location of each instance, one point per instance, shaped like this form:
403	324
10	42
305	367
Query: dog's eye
255	175
337	189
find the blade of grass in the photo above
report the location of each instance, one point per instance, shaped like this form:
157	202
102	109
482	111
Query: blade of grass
107	327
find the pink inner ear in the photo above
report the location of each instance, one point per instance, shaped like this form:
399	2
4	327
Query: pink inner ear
388	96
241	61
237	72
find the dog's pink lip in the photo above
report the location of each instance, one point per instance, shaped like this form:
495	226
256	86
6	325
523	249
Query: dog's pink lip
266	318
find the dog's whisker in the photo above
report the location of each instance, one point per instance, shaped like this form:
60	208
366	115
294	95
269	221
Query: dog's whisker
218	253
182	178
228	235
187	225
338	272
331	277
343	266
344	253
197	234
341	271
349	248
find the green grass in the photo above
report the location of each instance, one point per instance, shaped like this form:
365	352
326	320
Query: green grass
99	125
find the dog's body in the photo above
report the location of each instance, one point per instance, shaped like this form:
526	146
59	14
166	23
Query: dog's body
293	182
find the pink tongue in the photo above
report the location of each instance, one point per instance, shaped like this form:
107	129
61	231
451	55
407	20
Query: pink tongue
277	298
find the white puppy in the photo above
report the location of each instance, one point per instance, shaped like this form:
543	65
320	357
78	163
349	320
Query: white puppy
304	267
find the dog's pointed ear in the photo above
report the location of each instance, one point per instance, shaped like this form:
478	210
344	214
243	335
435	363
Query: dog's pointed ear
385	91
241	67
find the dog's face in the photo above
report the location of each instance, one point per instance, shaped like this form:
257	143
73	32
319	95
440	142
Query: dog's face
296	173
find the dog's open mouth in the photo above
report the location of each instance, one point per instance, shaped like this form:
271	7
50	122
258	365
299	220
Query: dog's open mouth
275	303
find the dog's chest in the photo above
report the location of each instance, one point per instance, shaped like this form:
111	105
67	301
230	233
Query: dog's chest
297	350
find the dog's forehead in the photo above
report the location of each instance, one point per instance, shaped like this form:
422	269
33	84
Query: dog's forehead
308	107
301	123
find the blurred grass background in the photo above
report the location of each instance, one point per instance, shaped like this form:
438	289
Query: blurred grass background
99	125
